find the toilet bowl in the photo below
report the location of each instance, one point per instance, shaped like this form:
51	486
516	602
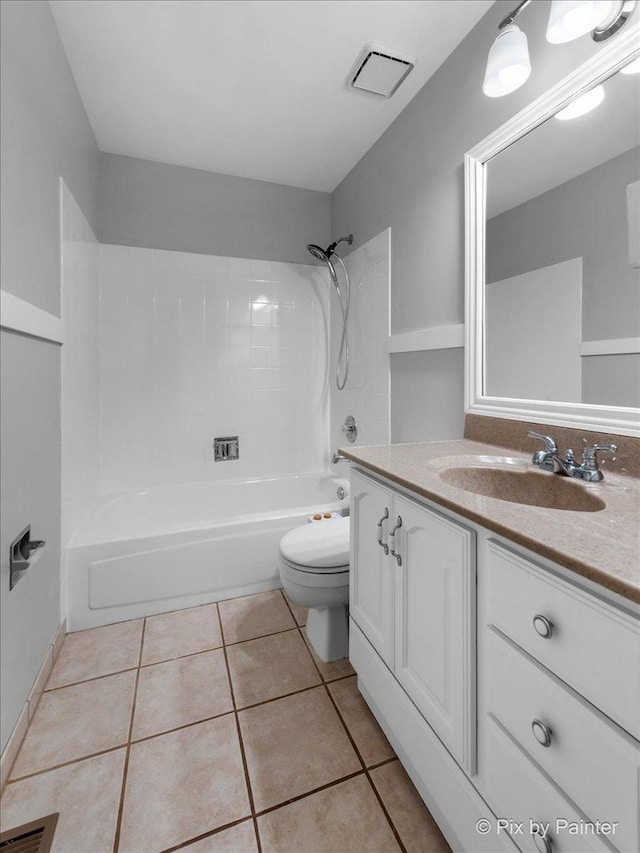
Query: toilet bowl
314	570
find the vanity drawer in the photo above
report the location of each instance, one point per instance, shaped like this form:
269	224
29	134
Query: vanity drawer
593	761
518	791
593	646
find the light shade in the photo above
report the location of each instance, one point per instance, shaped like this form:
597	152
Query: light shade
584	104
570	19
508	64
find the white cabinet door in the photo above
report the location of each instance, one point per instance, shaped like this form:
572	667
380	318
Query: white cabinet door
370	576
435	624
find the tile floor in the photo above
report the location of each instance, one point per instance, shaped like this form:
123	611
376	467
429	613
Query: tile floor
212	729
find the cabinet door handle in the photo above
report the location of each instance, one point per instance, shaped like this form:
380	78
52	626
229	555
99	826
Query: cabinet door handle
382	544
544	843
543	626
541	732
392	541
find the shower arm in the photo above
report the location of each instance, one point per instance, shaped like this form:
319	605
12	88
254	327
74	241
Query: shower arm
332	248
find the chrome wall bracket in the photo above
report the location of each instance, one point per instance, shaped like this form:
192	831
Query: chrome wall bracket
226	449
350	429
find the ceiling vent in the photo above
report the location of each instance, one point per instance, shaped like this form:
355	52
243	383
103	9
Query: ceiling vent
379	70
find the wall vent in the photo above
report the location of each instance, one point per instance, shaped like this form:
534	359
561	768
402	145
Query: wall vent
380	70
33	837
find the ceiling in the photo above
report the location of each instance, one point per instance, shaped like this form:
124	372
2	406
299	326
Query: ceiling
557	151
256	88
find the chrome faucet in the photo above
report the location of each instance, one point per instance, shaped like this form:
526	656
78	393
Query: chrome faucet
550	460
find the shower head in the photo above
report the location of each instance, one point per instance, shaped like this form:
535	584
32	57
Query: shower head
318	253
324	255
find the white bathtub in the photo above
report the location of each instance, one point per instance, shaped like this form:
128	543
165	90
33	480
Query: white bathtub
149	552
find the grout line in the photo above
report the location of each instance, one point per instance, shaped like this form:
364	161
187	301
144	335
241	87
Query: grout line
288	603
324	679
261	636
362	761
235	711
209	834
92	678
382	763
122	745
116	839
245	765
310	793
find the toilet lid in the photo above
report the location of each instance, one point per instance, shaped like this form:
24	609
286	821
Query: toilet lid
322	544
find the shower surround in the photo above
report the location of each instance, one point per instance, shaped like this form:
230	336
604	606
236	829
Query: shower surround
197	346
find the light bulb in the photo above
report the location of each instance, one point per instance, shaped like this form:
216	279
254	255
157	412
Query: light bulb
570	19
584	104
508	65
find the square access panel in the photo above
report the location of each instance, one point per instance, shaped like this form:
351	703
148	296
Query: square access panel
380	70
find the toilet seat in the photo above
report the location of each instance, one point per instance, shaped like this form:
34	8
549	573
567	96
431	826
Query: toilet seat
317	548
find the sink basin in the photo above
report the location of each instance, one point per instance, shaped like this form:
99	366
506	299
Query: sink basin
533	488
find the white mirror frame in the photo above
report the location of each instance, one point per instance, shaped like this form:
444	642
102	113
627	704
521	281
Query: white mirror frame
612	419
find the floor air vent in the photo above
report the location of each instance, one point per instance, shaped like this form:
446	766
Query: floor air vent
34	837
380	70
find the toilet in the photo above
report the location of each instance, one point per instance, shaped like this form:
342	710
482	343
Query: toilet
314	570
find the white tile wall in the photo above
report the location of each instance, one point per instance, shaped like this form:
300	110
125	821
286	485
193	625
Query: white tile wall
197	346
80	283
367	392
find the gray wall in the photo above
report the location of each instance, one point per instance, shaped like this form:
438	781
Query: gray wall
158	206
586	218
412	180
45	135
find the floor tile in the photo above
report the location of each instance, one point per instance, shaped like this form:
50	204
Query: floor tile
299	612
344	817
270	667
182	691
237	839
363	726
77	721
294	745
254	616
97	651
417	829
333	669
183	632
86	794
182	784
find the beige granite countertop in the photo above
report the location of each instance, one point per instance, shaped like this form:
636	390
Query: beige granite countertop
603	546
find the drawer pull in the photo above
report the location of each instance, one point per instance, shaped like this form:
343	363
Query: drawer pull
380	533
543	626
392	541
544	843
541	733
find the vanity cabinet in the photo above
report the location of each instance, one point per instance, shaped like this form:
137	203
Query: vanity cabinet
413	596
370	577
509	690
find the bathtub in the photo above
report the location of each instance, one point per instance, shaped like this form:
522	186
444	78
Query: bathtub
162	549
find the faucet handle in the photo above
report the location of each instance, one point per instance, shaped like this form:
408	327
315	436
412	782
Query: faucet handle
589	457
549	444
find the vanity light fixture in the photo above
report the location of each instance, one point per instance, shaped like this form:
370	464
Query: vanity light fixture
508	65
582	105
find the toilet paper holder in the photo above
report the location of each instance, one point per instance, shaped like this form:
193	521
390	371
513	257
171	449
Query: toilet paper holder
23	553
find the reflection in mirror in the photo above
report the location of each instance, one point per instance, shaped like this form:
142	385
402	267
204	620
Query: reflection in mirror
562	292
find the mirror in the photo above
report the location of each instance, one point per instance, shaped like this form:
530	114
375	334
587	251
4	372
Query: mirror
553	254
